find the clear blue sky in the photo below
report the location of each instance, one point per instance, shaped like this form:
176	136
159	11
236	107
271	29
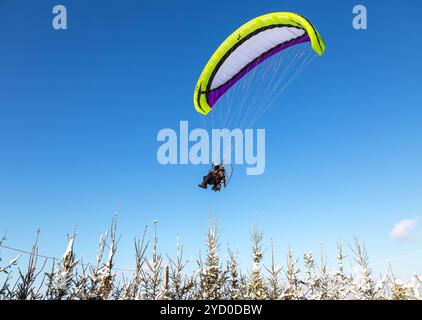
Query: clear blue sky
80	110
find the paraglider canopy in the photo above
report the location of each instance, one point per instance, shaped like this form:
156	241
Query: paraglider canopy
249	46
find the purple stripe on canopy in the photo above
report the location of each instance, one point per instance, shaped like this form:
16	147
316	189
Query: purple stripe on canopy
214	95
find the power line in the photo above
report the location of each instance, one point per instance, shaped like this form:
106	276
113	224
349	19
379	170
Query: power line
397	258
58	259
